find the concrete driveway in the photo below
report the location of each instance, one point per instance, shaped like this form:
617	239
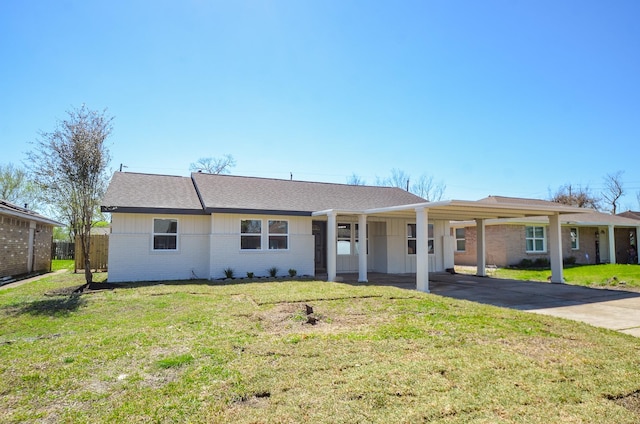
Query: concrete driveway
613	309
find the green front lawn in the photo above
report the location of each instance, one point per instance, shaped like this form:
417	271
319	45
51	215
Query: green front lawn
248	353
587	275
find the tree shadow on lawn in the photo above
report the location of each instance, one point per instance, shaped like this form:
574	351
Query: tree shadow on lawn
55	307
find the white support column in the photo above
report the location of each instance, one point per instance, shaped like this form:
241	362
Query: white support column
612	245
555	249
331	246
362	248
636	243
480	249
212	246
422	250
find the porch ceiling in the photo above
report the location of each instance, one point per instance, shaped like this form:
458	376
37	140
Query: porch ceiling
462	210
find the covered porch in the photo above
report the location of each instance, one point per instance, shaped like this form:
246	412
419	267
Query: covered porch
445	212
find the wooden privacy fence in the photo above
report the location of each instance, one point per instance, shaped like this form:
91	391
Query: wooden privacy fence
98	253
62	250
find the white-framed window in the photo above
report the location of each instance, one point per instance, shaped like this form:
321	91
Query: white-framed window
412	239
251	234
461	241
535	239
344	239
575	238
278	235
165	234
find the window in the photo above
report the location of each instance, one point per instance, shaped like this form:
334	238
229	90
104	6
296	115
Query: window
344	239
251	234
278	235
575	245
412	239
461	244
535	239
165	234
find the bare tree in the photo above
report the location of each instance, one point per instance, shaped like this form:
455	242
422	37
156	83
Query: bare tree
17	187
70	165
210	165
576	196
613	190
398	178
355	179
425	186
428	189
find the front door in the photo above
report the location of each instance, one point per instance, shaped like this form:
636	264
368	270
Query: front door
319	231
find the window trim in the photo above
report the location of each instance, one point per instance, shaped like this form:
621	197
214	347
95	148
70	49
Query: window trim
154	234
577	240
253	235
270	234
534	239
463	238
344	239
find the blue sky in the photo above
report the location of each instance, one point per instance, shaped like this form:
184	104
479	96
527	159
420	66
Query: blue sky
491	97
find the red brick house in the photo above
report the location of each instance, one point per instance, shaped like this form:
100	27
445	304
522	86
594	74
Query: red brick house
25	241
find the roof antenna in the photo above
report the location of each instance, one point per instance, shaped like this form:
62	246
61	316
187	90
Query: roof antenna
122	166
291	176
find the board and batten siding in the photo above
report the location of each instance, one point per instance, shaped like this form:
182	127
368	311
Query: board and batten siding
131	254
226	252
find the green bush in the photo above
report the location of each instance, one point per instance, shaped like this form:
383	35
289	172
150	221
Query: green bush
273	271
228	272
292	272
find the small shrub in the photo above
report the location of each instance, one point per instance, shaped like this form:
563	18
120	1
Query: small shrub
249	274
292	272
273	271
228	272
571	260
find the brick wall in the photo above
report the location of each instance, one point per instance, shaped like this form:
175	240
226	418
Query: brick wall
506	245
14	246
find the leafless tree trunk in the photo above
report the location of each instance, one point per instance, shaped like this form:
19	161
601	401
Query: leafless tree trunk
613	190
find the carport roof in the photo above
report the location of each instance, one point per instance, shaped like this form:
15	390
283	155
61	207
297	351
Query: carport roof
464	210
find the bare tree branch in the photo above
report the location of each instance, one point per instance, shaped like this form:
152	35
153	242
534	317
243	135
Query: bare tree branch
211	165
576	196
354	179
613	190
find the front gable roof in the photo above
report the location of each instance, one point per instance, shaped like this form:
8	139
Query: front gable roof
133	192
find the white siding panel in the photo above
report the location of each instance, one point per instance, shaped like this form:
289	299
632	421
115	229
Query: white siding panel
226	253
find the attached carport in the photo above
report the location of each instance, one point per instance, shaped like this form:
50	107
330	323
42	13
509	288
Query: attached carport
451	210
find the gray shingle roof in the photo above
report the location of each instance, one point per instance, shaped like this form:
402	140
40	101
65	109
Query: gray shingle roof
228	191
8	208
130	192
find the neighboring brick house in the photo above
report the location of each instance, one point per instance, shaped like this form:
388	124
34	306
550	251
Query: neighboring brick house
25	241
587	238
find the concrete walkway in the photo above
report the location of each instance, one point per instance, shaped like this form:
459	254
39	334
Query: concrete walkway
31	279
613	309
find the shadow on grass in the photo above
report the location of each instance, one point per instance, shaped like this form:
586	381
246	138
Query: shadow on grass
55	307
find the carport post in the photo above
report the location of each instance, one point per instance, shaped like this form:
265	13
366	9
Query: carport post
636	246
555	249
362	248
331	246
612	245
481	266
422	250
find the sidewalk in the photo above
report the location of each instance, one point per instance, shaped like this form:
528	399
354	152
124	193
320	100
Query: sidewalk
29	280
